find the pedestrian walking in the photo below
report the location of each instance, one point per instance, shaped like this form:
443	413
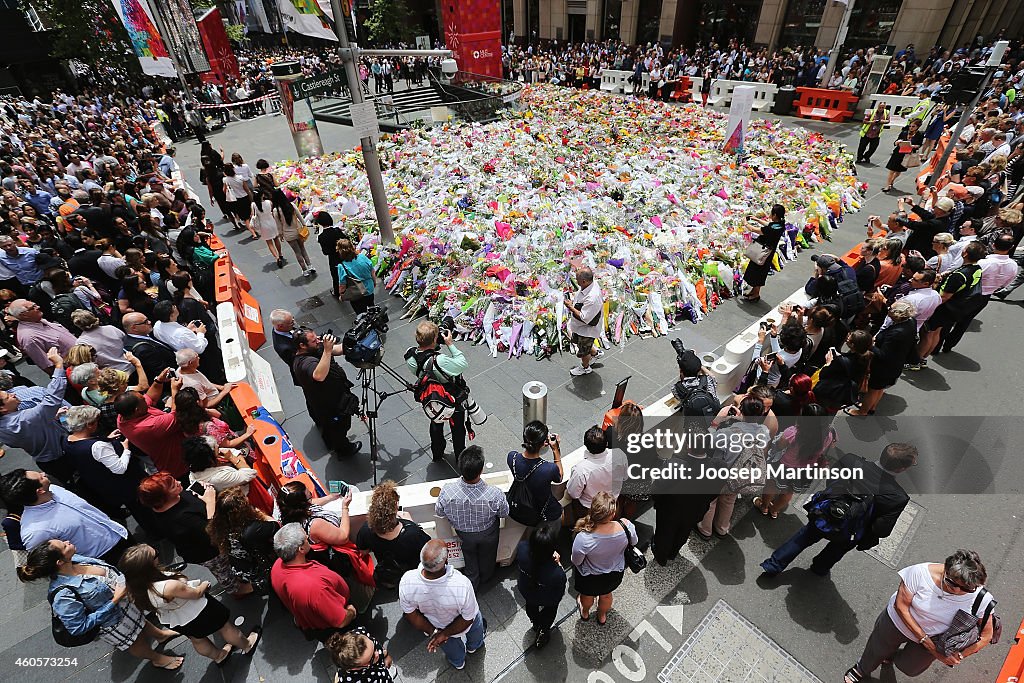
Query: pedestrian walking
850	514
911	632
355	277
265	223
292	230
875	121
907	142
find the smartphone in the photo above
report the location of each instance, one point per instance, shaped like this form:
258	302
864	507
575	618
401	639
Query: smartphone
197	323
833	350
197	488
338	487
172	373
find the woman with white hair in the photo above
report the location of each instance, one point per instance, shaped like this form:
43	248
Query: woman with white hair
107	340
892	346
912	631
108	474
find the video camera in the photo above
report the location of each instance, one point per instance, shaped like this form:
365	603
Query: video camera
363	344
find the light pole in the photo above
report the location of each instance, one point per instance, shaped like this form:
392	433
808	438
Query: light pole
990	68
371	160
833	55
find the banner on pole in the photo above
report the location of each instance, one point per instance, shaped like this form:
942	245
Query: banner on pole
146	41
739	117
179	23
305	17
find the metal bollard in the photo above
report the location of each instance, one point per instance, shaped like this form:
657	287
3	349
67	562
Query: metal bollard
535	402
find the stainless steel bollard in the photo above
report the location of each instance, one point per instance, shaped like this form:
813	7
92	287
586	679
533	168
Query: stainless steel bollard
535	402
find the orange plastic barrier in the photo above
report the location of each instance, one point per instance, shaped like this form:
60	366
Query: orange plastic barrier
682	92
825	105
277	460
1013	665
231	285
851	257
933	161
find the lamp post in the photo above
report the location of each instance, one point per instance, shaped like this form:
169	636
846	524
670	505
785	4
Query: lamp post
990	68
304	131
833	55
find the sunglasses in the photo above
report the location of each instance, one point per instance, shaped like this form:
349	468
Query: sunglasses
949	582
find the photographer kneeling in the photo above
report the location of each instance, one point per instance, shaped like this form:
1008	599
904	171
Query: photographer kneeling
445	367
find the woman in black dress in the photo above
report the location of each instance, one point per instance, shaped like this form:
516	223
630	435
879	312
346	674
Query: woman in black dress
911	134
541	580
892	346
768	234
391	535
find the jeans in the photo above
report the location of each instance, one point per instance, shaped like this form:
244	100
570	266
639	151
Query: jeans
456	646
800	541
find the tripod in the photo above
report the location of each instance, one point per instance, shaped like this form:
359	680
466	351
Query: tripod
368	382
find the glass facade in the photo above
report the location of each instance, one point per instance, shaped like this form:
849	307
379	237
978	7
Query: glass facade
508	21
648	21
871	22
801	23
721	20
533	19
611	20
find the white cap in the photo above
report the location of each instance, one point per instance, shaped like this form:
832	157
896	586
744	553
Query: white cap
976	190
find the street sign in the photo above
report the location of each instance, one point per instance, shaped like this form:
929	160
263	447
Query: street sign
318	85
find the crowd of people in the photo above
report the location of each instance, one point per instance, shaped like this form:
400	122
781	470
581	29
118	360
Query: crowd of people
106	283
908	73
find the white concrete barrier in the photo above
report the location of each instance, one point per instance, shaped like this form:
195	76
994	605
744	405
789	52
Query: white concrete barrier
899	107
242	364
721	93
615	81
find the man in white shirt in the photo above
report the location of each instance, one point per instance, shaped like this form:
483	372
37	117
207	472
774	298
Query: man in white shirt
440	602
1000	147
585	310
997	271
968	234
210	394
168	330
596	472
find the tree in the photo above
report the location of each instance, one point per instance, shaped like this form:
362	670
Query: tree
88	30
389	22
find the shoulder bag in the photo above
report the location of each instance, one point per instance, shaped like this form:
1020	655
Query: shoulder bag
757	253
635	560
61	635
354	287
966	628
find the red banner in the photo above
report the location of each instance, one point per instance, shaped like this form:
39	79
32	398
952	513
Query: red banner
223	65
472	30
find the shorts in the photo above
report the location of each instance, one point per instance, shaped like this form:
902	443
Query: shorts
584	345
595	585
242	208
943	317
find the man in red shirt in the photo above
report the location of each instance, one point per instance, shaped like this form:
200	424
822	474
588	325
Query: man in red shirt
315	595
150	429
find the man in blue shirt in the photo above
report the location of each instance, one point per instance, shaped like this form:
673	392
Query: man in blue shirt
37	198
21	261
54	513
36	429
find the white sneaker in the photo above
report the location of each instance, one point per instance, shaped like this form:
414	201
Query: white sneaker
597	354
580	370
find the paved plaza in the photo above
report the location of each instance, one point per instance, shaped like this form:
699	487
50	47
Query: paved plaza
703	618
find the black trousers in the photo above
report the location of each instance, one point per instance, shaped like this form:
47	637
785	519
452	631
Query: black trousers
542	618
332	263
675	516
438	442
866	147
956	332
334	430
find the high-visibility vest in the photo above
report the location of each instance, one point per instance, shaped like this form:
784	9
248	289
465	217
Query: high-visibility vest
870	118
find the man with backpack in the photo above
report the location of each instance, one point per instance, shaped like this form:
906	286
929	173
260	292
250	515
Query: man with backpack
850	513
440	384
696	390
851	298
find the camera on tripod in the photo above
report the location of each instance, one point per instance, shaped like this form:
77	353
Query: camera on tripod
363	344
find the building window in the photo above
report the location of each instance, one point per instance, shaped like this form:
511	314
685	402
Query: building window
533	20
871	22
722	20
648	21
611	20
803	19
508	20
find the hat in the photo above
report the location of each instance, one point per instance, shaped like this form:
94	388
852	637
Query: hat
824	261
956	191
976	190
945	204
688	362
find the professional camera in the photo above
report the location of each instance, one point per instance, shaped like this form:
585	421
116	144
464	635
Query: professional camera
474	412
363	344
680	348
447	324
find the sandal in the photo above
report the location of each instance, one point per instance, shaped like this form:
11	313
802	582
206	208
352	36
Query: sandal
259	634
757	503
750	300
853	674
174	665
161	643
227	655
579	604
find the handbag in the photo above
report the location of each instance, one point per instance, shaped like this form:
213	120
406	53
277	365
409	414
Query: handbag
965	629
229	194
757	253
61	635
354	287
635	560
303	232
912	160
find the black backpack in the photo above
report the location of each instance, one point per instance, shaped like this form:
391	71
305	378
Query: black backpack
840	514
851	299
698	401
521	505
